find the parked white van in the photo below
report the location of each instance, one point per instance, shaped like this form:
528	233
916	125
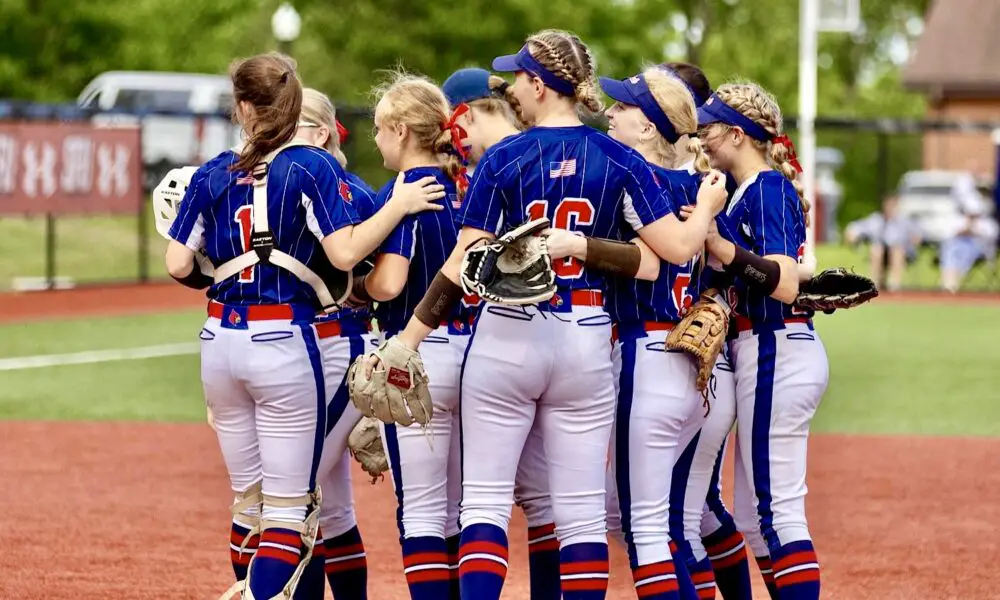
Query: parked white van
167	141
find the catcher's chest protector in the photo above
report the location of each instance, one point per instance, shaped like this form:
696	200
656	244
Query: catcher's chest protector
263	248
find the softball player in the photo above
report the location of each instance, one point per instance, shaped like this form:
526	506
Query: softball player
415	137
550	358
343	336
657	411
261	368
490	120
780	364
700	524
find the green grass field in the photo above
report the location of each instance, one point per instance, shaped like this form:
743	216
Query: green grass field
87	249
106	249
895	368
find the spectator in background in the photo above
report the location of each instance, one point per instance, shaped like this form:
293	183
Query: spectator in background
893	240
975	239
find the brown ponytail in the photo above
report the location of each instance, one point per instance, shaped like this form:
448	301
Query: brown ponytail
270	84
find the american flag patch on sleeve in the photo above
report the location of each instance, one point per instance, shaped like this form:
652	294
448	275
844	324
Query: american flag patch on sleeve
563	168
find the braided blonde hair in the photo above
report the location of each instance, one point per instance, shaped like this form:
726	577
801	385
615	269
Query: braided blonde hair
568	58
676	102
416	102
757	104
318	110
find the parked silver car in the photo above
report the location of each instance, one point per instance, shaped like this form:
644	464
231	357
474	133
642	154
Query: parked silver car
168	141
938	201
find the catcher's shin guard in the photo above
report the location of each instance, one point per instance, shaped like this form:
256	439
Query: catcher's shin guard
307	531
245	533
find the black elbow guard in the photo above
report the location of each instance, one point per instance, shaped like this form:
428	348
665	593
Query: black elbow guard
196	280
756	271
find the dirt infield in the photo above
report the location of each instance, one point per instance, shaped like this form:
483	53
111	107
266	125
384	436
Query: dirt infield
109	511
98	301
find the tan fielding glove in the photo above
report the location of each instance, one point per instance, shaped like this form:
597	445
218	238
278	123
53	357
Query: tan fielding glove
701	333
365	443
397	391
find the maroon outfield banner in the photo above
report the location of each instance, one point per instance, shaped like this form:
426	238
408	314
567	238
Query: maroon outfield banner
69	168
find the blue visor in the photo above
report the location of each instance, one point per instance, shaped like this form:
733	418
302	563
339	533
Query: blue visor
466	85
634	91
524	61
714	110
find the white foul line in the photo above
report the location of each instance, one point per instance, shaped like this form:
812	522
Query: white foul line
17	363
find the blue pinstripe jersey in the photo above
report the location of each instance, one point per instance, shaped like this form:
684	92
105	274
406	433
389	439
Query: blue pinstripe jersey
307	200
578	177
667	298
765	217
426	239
362	198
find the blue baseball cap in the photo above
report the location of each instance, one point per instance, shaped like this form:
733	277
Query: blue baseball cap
466	85
524	61
714	110
634	91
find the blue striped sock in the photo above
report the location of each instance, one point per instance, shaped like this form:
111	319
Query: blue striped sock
347	566
681	557
240	559
727	551
278	554
425	564
312	584
482	565
453	543
796	571
702	578
584	571
543	563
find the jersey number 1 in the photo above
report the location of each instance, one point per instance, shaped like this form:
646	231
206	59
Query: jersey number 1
569	213
244	219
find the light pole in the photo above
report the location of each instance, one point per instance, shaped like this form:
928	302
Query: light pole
816	16
286	24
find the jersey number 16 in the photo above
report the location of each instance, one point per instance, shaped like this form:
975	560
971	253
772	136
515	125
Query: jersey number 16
569	213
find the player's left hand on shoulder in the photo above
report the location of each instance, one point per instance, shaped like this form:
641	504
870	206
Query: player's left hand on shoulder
418	196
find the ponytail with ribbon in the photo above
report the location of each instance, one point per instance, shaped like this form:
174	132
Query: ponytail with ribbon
787	142
342	132
458	135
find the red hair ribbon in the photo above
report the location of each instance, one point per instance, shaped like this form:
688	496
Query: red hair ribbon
458	134
787	141
341	132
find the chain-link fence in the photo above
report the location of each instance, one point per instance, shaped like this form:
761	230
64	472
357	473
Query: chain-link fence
859	164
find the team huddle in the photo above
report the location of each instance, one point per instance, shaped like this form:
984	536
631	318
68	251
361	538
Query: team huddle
533	312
